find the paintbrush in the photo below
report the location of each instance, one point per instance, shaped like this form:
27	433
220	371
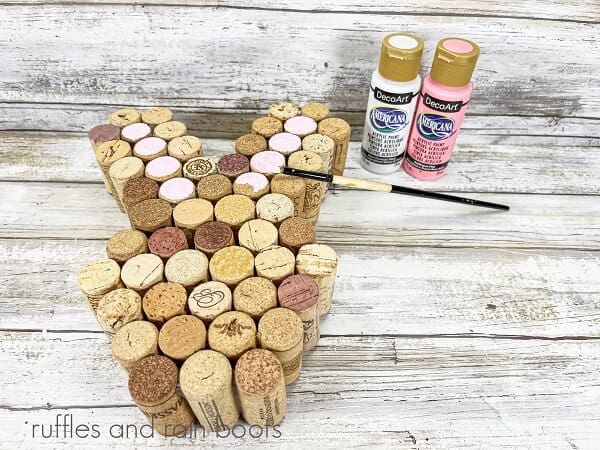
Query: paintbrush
369	185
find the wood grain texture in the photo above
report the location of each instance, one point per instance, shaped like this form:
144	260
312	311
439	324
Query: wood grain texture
231	123
577	11
528	67
354	392
379	290
67	157
347	217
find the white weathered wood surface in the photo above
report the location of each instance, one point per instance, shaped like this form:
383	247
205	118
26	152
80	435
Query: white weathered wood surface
452	327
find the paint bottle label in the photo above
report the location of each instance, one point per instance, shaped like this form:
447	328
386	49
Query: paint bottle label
435	131
387	125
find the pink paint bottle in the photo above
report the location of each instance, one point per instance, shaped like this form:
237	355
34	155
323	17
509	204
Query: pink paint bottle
444	97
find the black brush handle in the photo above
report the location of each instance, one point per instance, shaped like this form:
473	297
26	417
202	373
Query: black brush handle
447	198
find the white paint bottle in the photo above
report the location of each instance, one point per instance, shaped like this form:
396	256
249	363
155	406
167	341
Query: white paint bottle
392	100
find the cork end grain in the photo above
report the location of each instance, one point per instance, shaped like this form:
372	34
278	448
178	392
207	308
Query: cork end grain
257	234
255	296
170	130
335	128
213	236
99	277
232	333
149	215
316	259
204	373
304	160
142	271
182	336
214	187
199	167
133	341
139	189
275	263
275	207
187	267
298	292
296	232
258	372
118	308
250	144
234	210
233	165
231	265
267	126
283	110
103	133
315	110
153	380
110	151
125	116
164	301
165	242
185	147
209	300
156	116
279	329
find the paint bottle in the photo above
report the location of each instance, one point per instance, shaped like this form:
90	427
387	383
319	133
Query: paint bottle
392	101
442	105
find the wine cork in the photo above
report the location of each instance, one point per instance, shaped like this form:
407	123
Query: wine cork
257	234
135	132
261	388
190	214
320	262
231	265
163	168
164	301
118	308
234	210
209	300
285	143
275	208
300	293
98	278
126	244
125	116
339	130
137	190
185	148
214	187
292	187
267	126
199	167
142	272
315	110
121	172
269	163
206	380
251	184
150	148
275	263
188	268
323	146
150	215
152	385
156	116
106	154
170	130
182	336
103	133
233	165
296	232
283	110
255	296
250	144
280	331
134	341
211	237
232	333
312	162
300	126
165	242
177	190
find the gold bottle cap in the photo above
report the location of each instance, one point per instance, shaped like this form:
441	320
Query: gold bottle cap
400	57
454	61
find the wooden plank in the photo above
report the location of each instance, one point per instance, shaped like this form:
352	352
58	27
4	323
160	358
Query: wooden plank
477	168
92	58
347	217
383	392
379	290
222	123
579	11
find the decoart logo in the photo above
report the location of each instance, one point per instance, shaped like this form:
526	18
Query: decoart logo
435	127
387	120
